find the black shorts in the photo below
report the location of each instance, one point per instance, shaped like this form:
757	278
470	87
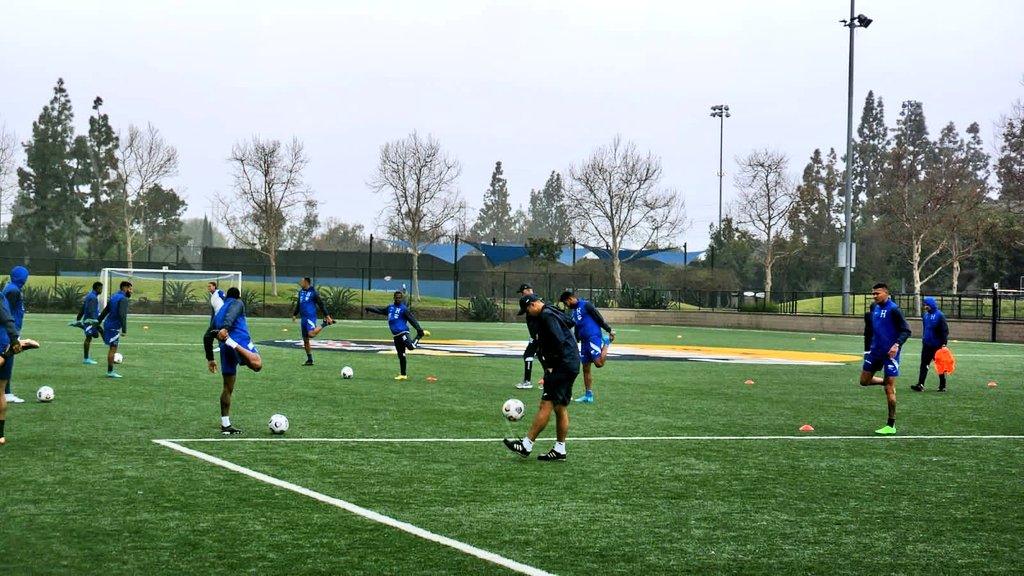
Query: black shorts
531	349
558	385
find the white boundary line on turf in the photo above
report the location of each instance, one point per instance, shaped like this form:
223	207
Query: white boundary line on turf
360	511
597	438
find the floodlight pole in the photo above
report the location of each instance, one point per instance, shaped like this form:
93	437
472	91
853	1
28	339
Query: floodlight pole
720	111
853	23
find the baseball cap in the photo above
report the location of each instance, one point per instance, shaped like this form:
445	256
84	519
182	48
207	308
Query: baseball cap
525	301
524	287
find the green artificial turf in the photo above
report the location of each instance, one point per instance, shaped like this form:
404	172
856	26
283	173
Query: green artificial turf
661	487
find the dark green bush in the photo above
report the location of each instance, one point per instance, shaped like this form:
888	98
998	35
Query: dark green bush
36	296
179	294
481	309
252	301
68	297
337	299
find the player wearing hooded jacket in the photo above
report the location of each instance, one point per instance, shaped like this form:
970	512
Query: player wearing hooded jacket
935	335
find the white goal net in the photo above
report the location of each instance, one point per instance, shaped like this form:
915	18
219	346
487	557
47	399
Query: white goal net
169	291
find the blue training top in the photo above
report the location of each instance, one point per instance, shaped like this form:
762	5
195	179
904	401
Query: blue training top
115	315
15	303
308	304
589	321
90	308
232	316
935	330
888	327
399	317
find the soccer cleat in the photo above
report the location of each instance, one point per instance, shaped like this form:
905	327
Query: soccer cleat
585	399
401	377
941	389
76	324
886	430
229	430
524	385
113	374
13	399
517	447
551	456
917	387
89	361
307	363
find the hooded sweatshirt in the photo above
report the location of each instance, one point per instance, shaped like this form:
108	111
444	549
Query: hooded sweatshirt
936	331
12	292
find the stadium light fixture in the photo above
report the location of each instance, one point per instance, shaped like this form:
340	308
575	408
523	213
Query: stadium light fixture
720	111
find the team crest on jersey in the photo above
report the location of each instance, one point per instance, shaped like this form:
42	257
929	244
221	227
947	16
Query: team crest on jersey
514	349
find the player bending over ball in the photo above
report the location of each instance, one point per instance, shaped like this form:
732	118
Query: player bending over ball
561	366
236	348
399	319
115	323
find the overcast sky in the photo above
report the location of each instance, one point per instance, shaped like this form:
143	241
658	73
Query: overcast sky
537	84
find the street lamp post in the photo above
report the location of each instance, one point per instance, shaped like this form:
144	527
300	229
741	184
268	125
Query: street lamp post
859	21
720	111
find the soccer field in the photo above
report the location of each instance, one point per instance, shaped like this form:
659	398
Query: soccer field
678	467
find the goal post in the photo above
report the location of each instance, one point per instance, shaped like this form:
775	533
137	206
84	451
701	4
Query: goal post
176	291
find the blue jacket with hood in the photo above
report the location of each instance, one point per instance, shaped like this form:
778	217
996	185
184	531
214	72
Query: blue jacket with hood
935	331
12	293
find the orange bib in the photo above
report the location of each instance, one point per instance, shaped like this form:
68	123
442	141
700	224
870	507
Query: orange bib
945	363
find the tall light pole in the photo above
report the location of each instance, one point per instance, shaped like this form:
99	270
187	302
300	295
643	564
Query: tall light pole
720	111
859	21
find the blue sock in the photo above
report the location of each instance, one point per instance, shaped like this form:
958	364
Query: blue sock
590	393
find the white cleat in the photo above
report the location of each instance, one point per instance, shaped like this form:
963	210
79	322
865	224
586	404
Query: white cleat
525	385
14	399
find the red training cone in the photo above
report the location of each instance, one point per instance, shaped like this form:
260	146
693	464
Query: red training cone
749	382
807	428
431	379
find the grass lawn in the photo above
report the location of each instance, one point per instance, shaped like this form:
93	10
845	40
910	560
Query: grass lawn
679	467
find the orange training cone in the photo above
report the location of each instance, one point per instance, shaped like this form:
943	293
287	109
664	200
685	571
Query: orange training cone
749	382
807	428
992	384
431	379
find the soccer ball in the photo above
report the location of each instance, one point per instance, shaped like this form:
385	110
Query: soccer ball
347	372
118	358
278	424
44	394
513	410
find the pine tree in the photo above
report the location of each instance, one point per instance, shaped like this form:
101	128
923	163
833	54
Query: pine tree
547	213
1010	164
494	222
100	215
49	199
869	152
816	222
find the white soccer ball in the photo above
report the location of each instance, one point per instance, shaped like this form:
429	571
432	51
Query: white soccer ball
513	410
347	372
118	358
44	394
278	424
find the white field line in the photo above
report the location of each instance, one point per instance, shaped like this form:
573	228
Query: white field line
360	511
600	439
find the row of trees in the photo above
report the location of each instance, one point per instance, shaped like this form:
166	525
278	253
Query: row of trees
104	188
924	210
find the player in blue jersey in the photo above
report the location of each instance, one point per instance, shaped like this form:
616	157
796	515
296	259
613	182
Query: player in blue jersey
557	346
306	307
399	320
88	320
229	326
10	345
884	337
934	336
16	307
593	345
115	323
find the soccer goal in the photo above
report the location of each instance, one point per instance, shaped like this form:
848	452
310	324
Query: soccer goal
169	291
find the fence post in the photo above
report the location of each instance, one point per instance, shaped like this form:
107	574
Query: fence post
995	309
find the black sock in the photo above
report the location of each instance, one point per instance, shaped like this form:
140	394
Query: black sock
401	365
1	428
309	357
942	380
527	370
891	422
110	367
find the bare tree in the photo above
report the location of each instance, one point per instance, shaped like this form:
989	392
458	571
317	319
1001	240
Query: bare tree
420	179
618	186
766	198
8	184
144	161
268	193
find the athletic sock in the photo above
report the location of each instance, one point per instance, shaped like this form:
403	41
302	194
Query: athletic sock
891	422
110	367
309	357
590	394
527	370
527	443
230	342
1	428
560	447
225	420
